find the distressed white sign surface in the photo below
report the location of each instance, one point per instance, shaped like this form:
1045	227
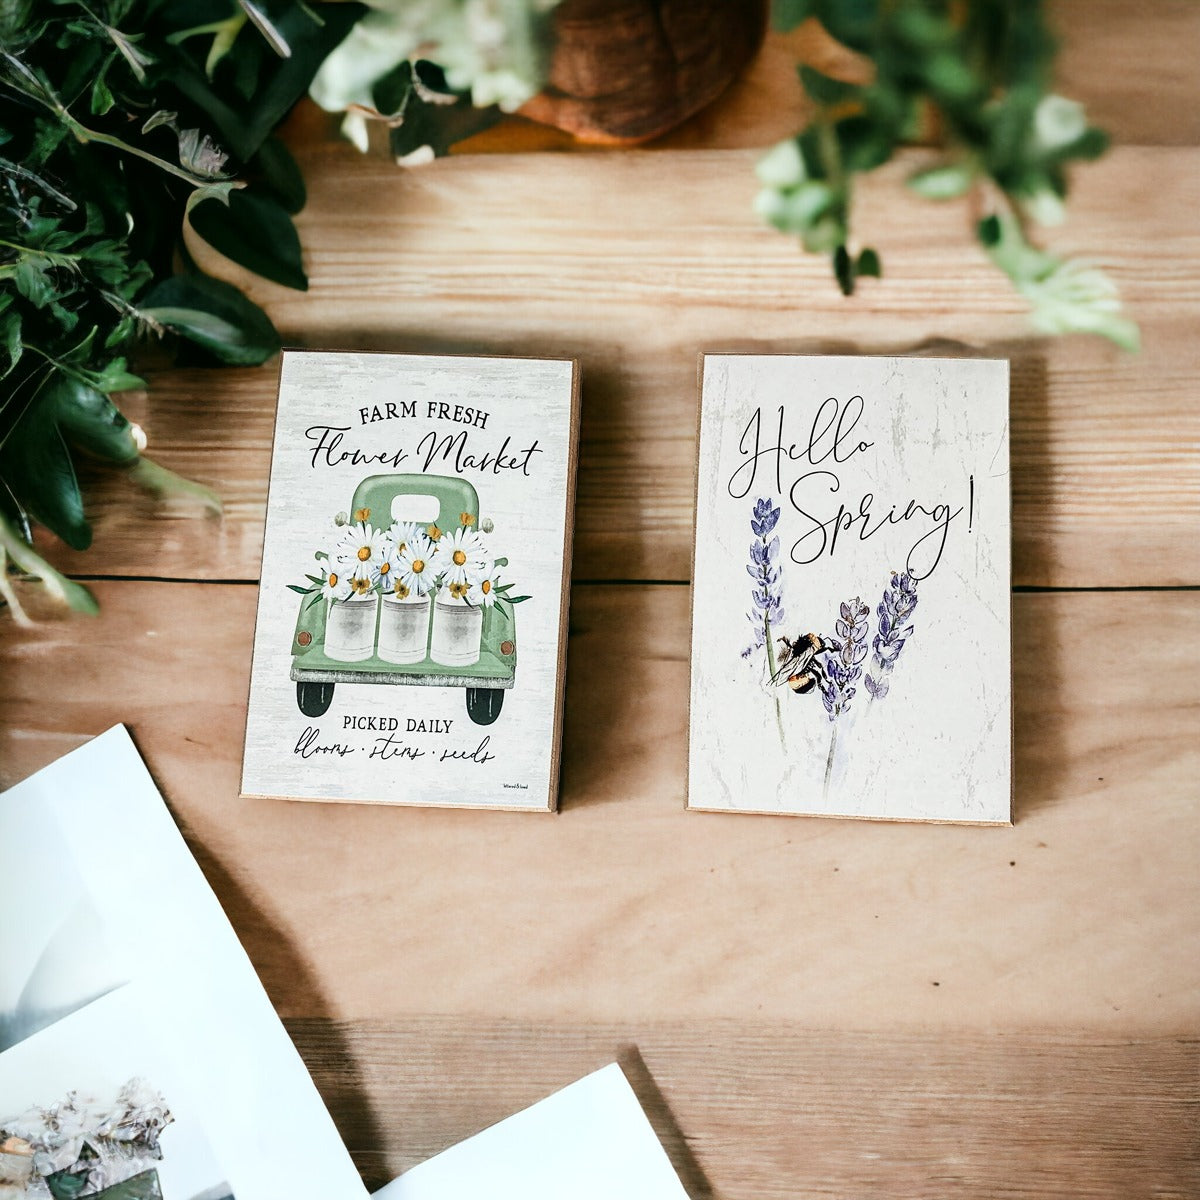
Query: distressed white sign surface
851	649
411	617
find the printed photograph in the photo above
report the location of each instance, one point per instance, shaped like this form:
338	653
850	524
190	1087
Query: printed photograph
90	1110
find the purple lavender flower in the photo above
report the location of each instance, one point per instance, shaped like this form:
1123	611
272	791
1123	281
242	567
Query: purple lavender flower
842	662
765	595
899	600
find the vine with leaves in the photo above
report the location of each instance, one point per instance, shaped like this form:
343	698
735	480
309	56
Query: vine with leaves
975	78
119	123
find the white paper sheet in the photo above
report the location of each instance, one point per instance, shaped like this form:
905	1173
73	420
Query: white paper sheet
590	1141
108	845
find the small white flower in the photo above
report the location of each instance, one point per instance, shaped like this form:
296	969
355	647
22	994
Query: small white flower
782	166
336	584
402	531
395	542
415	565
1057	122
483	590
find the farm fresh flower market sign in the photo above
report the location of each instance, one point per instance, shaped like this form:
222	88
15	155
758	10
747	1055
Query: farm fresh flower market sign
416	504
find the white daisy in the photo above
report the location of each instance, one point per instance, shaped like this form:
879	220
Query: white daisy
483	590
395	542
336	584
361	552
414	565
389	560
402	532
462	556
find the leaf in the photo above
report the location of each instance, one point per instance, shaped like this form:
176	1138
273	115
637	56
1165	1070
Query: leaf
942	182
295	587
1065	296
853	22
214	315
113	377
26	559
89	420
843	270
274	37
14	15
256	232
863	144
36	467
244	120
425	113
868	264
102	97
10	336
30	274
824	89
219	191
277	171
163	483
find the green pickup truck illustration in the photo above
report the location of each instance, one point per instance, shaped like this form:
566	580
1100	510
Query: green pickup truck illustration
407	593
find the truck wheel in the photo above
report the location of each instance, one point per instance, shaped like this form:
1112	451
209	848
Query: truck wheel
314	699
483	704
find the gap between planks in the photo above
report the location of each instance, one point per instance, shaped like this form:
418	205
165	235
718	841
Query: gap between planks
1017	589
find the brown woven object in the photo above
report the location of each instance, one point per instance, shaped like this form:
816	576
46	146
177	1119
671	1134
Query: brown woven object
625	71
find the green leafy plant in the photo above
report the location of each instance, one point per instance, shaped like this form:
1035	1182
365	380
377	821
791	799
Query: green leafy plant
121	122
973	77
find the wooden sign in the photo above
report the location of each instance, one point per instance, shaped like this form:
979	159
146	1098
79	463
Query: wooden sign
412	613
851	600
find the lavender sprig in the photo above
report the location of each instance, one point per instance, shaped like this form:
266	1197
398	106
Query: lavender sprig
842	662
766	595
899	601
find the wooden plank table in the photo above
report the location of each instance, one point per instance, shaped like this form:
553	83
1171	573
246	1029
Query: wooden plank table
805	1007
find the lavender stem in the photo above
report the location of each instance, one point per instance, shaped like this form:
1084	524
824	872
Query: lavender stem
829	760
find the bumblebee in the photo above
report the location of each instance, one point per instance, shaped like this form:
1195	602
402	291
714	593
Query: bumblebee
798	665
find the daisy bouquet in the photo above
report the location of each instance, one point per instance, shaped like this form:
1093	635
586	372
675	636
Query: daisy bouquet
352	558
465	568
402	572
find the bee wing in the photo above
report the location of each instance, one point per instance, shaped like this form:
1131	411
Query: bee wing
785	669
803	660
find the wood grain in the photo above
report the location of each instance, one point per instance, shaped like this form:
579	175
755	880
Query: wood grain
805	1007
756	1111
1084	918
635	263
